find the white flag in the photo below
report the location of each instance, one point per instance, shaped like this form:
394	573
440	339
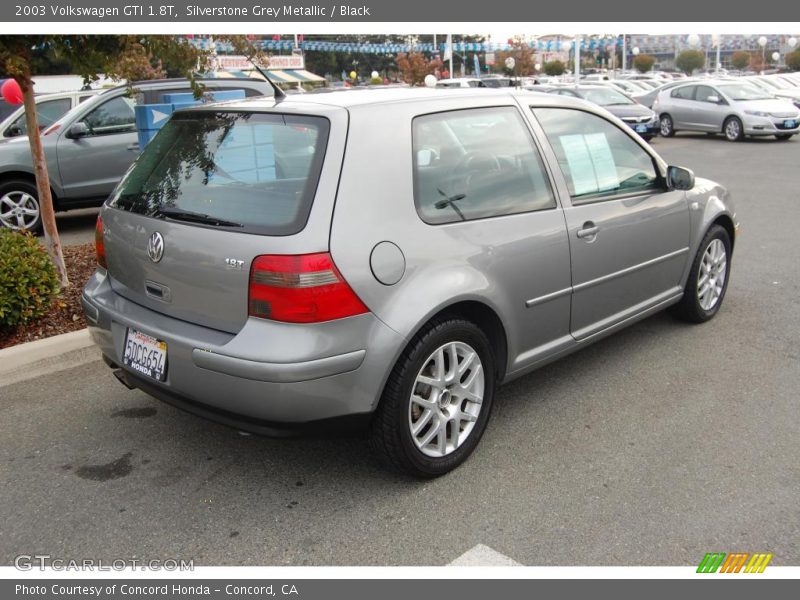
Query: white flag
448	48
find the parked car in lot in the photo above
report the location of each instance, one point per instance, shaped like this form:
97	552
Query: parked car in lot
49	109
732	107
648	98
460	82
249	273
639	118
775	87
87	150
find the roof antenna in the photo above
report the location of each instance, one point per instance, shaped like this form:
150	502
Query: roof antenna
277	92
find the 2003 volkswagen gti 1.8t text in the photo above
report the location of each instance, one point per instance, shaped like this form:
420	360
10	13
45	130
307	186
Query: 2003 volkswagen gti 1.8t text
389	257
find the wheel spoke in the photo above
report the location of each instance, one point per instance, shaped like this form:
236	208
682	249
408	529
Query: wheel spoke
465	364
441	441
424	403
455	432
424	419
463	416
428	437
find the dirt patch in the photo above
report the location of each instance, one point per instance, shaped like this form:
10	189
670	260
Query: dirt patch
65	313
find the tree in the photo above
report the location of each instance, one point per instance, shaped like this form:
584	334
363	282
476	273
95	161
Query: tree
740	59
644	63
414	67
689	61
118	57
793	60
554	67
523	55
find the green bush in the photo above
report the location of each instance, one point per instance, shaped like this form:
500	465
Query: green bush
28	279
644	62
793	60
689	61
554	67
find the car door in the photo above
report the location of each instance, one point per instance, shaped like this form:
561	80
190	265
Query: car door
681	106
91	165
628	234
484	188
710	108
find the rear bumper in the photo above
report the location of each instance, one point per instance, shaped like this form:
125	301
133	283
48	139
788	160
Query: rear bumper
268	373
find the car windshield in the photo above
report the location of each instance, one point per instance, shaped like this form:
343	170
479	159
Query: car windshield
778	83
743	92
255	171
605	96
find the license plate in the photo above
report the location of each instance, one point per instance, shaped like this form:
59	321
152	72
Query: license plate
641	128
145	354
790	123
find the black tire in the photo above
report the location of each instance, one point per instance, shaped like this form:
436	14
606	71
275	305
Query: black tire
733	129
666	126
689	308
13	189
783	136
389	434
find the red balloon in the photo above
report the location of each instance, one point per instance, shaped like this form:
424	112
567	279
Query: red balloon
11	91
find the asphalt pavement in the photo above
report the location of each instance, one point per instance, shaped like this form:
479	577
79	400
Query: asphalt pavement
651	447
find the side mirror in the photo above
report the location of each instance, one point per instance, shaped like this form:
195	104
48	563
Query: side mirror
78	130
713	99
14	131
679	178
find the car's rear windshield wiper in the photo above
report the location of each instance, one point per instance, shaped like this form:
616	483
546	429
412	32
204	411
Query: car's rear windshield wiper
193	217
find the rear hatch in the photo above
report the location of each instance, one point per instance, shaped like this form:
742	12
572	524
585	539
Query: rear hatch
213	190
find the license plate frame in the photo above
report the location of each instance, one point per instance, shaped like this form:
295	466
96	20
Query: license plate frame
641	128
145	354
790	123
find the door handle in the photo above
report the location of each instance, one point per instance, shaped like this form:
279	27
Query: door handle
588	230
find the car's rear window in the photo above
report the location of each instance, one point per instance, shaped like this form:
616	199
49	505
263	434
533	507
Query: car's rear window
254	169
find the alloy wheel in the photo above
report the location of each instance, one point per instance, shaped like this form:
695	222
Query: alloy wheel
666	126
733	130
711	275
19	210
446	399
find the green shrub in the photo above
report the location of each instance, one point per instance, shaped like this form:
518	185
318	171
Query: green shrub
793	60
689	61
28	279
643	62
554	67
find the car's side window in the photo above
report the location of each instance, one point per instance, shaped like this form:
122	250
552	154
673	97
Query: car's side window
47	113
684	93
703	92
476	163
599	160
113	116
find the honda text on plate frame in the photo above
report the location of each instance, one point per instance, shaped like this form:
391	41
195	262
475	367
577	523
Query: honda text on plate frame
383	260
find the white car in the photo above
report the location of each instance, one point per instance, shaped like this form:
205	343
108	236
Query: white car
49	109
460	82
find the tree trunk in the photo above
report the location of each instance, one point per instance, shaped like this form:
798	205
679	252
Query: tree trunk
51	239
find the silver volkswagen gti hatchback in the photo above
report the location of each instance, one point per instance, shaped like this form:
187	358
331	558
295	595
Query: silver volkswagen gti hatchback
385	259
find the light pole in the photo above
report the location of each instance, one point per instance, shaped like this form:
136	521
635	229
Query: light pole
762	41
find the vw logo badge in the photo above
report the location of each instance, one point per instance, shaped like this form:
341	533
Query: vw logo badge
155	247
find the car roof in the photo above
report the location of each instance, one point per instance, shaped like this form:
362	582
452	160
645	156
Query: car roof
349	99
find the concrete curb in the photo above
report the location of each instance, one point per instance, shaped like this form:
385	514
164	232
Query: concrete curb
43	357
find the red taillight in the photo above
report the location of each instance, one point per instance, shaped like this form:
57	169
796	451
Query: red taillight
302	288
99	244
